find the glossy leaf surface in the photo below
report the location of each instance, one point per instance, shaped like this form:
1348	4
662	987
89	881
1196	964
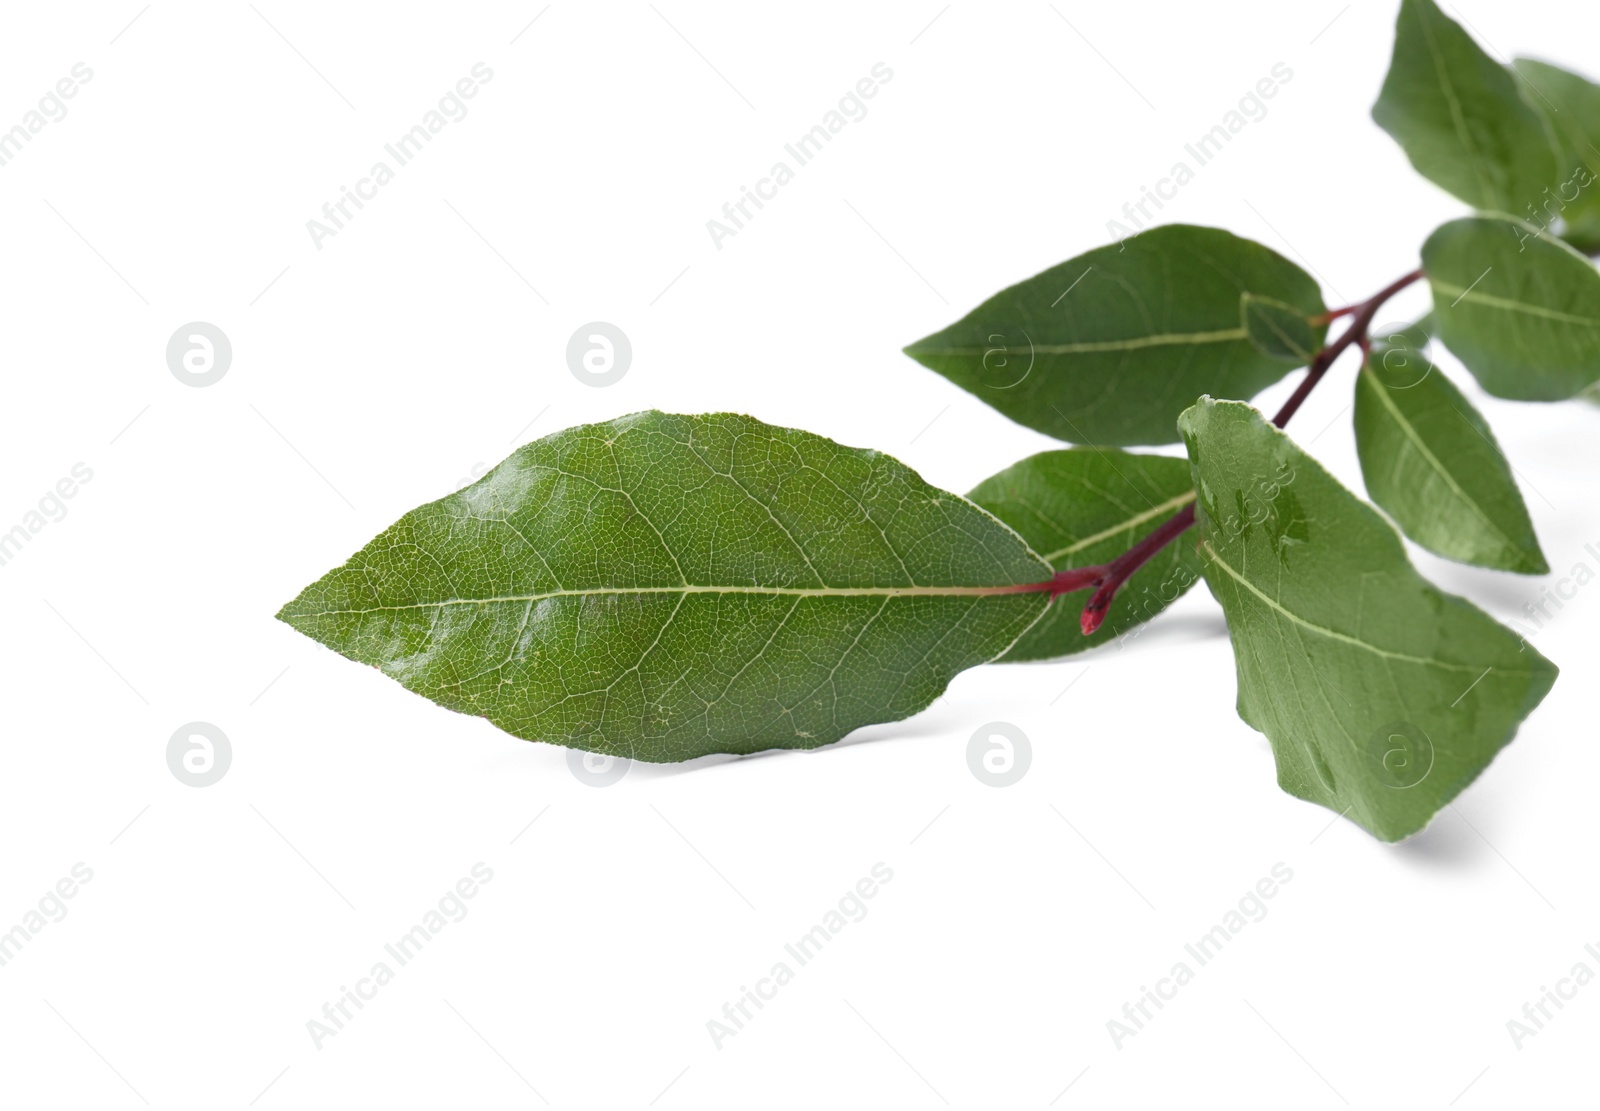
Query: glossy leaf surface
662	587
1110	347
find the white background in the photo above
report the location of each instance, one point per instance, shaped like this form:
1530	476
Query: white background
426	339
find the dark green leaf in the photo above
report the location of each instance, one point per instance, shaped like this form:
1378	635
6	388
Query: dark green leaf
663	587
1278	331
1382	696
1519	308
1110	347
1585	240
1572	105
1085	506
1459	117
1430	460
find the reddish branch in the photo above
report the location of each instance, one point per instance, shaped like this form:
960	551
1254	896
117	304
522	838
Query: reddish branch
1107	578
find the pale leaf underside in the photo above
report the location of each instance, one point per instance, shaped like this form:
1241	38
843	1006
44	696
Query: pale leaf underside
1382	696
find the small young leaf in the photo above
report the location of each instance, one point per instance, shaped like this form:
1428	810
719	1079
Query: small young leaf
1382	696
1572	105
1110	347
1277	330
1407	343
1519	308
1085	506
1459	117
1430	460
662	587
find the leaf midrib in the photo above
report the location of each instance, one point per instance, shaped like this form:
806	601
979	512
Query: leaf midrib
692	588
1089	347
1457	117
1508	305
1134	521
1433	461
1345	638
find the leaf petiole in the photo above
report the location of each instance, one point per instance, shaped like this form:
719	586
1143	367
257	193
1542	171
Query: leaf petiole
1108	578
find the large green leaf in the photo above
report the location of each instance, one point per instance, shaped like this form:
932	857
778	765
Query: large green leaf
1519	308
1430	460
1085	506
663	587
1110	347
1459	117
1382	696
1572	104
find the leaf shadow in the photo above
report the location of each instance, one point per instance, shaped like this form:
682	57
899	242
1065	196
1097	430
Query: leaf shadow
1166	630
1499	592
1171	629
919	727
1447	843
1176	628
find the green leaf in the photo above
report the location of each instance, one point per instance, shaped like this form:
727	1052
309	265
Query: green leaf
1110	347
1519	308
1406	346
1277	330
1584	240
1382	696
1572	105
1430	460
1459	117
1085	506
662	587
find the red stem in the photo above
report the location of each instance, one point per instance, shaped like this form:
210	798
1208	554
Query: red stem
1333	314
1062	582
1119	570
1108	578
1357	331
